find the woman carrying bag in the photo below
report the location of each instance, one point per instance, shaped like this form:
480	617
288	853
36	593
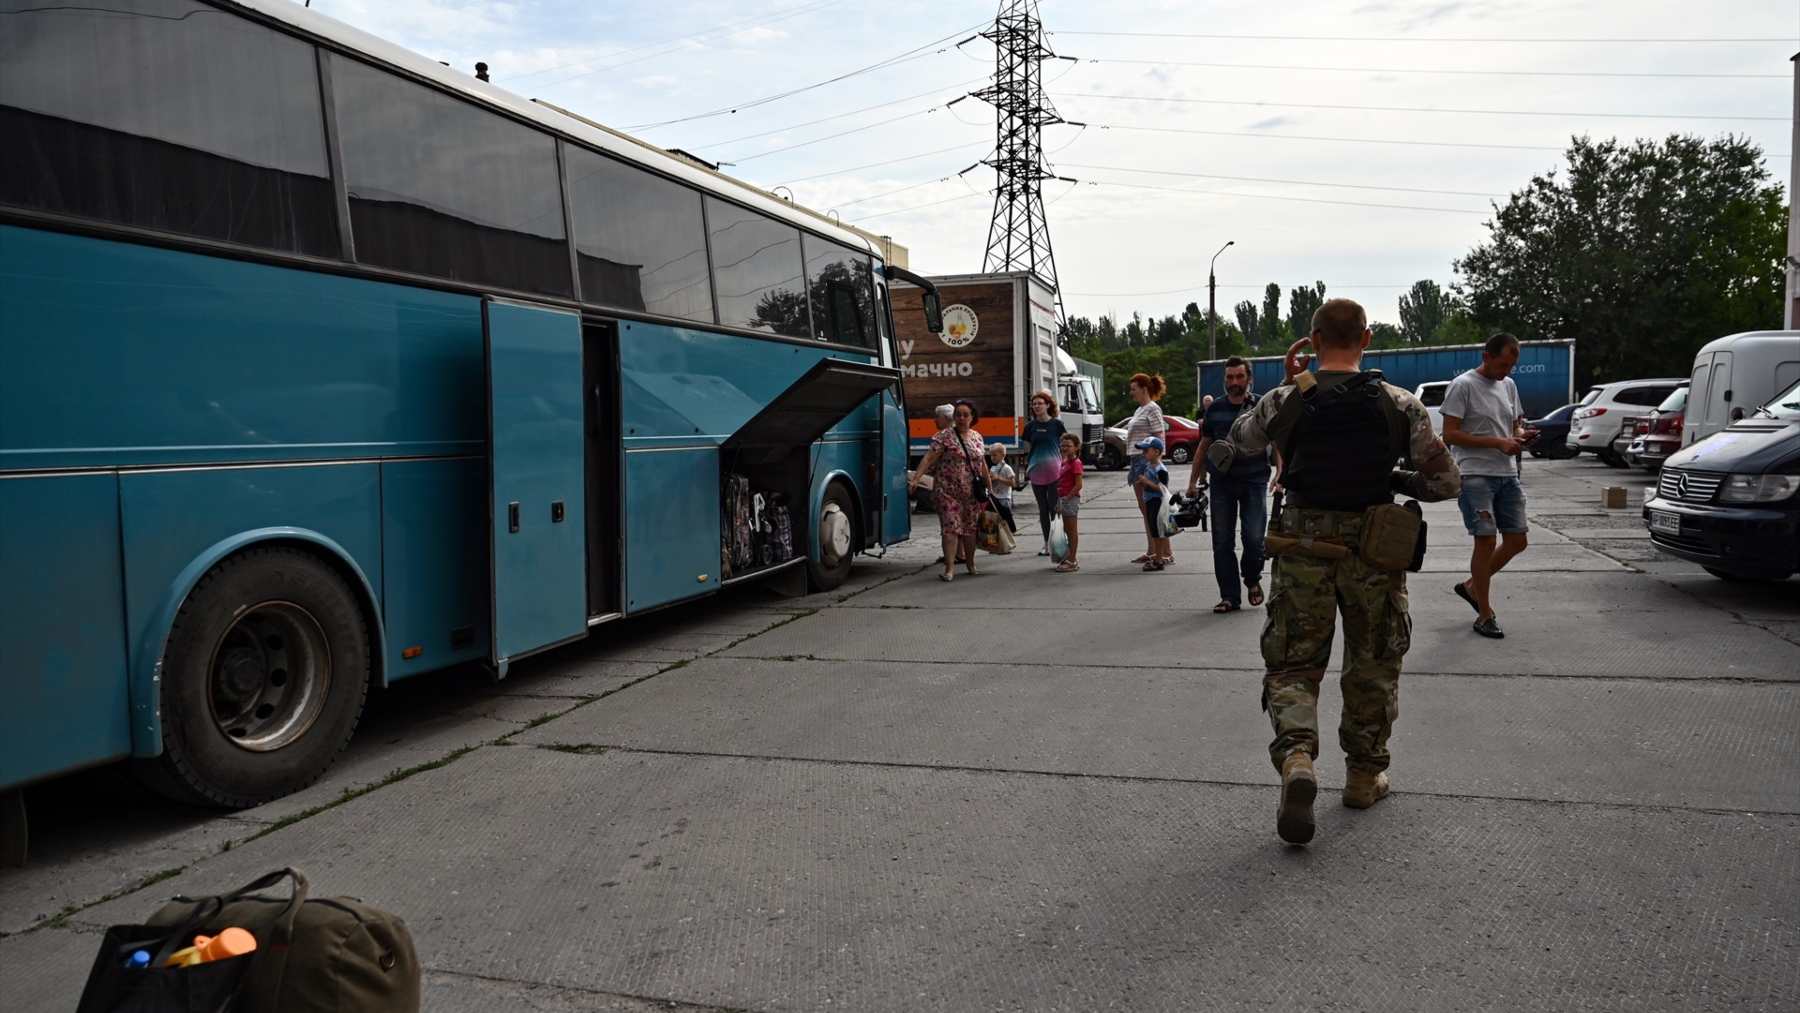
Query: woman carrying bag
957	463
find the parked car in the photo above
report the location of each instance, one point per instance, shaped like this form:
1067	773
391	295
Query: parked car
1732	503
1735	374
1431	395
1552	434
1180	442
1659	434
1600	418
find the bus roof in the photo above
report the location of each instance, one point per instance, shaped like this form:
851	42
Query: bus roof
606	139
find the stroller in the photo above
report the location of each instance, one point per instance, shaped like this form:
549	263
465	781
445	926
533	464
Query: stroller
1190	511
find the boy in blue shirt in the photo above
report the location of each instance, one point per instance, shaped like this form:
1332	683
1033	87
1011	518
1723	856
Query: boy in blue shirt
1154	482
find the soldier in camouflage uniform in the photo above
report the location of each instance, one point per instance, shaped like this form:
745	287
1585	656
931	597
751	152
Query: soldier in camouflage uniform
1334	469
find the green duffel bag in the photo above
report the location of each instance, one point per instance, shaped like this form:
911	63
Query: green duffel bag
340	955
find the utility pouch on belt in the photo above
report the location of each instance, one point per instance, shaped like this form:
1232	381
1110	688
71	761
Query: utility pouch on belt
1305	545
1392	536
1222	455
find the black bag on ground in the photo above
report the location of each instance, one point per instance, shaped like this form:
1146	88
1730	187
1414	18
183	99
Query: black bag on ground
329	954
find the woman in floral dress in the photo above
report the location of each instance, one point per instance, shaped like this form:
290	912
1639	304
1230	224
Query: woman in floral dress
957	455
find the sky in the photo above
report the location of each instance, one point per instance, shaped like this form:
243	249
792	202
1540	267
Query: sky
1176	158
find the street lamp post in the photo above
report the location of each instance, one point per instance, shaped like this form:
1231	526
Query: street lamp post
1212	311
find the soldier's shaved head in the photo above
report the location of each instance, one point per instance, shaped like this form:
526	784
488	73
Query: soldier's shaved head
1340	323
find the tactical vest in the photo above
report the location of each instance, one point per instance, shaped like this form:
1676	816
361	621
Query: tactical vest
1340	443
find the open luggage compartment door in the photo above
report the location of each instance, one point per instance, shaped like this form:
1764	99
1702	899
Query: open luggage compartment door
810	406
766	475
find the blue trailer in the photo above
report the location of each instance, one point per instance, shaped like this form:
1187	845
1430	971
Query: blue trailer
1545	373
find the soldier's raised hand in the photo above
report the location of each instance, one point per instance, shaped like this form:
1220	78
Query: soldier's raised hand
1296	363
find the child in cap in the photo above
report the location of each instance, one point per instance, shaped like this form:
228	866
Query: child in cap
1153	482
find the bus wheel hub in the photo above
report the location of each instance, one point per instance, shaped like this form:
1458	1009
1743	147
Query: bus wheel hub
834	535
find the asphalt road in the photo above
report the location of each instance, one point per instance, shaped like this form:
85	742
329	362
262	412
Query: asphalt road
1031	791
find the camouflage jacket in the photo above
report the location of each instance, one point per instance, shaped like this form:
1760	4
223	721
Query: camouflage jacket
1436	478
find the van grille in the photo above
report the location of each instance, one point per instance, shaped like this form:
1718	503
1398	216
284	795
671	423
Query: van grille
1689	486
1092	433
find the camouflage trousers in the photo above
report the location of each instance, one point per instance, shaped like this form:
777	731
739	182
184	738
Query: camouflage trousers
1308	595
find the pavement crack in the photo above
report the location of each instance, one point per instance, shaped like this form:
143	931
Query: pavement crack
658	1002
1065	775
1750	680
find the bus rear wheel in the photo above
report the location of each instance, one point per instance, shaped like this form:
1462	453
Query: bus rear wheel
263	680
835	539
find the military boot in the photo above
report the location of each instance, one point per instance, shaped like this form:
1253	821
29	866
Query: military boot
1363	789
1294	820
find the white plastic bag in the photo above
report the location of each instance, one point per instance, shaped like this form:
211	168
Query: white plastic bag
1059	541
1165	523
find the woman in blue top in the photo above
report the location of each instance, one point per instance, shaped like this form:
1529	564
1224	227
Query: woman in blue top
1043	436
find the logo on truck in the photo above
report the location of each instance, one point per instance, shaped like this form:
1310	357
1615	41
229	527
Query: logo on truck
960	325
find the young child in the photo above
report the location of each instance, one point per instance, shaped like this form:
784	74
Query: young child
1154	483
1003	479
1068	498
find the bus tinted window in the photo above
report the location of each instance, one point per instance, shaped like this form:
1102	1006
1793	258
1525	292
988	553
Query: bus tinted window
165	114
843	297
757	271
442	188
638	237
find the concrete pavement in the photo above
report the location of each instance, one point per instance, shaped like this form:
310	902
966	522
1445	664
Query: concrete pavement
1029	791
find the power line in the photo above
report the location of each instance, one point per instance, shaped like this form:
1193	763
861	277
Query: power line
1423	38
1290	182
741	24
1200	287
1311	137
911	54
831	137
1302	67
1344	140
891	161
890	193
1412	109
839	116
918	206
1270	196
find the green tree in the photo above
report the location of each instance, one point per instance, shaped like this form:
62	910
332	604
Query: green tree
1249	320
1273	327
1387	336
1302	302
1424	309
1641	251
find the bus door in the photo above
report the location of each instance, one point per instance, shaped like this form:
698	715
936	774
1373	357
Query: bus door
536	471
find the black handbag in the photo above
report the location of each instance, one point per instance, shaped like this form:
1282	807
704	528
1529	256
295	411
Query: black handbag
978	487
313	955
117	984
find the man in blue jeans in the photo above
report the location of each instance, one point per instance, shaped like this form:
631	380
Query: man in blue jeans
1237	495
1484	426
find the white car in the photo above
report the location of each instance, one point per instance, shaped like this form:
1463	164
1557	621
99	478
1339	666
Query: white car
1597	422
1431	395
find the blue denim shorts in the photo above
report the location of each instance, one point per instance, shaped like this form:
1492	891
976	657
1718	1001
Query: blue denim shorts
1140	466
1492	504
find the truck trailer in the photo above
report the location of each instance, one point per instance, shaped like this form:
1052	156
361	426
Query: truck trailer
997	348
1545	373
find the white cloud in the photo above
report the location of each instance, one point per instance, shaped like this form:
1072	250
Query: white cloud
757	36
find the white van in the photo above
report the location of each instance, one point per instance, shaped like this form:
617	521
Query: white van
1734	375
1431	395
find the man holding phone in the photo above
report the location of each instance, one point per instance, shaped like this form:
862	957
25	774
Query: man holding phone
1484	425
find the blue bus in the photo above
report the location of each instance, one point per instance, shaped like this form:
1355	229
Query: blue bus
323	367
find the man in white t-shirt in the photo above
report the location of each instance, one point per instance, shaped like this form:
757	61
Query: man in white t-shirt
1484	426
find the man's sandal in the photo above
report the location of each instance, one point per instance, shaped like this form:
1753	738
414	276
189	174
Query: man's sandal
1223	607
1256	595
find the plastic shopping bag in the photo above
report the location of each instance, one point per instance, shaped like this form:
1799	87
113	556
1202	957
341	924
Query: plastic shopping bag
1059	541
1165	522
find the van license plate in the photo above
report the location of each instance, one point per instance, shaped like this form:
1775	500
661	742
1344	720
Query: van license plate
1667	523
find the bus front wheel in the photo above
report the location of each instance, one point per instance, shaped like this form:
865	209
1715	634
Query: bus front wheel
263	680
835	539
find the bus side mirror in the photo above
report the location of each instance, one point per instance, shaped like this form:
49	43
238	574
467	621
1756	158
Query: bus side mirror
934	311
